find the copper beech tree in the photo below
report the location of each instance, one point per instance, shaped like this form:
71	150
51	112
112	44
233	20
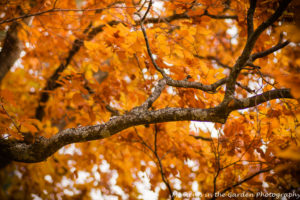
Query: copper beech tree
149	98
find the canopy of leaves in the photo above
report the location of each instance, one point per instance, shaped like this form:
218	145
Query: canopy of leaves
134	98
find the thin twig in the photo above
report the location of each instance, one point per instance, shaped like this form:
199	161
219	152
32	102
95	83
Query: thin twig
165	180
158	160
217	157
245	88
198	137
12	120
148	45
269	51
58	10
245	180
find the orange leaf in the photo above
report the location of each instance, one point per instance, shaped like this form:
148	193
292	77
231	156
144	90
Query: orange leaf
78	99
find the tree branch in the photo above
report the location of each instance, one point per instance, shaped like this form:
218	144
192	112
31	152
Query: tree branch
148	46
43	147
219	16
156	93
97	10
242	60
245	87
11	50
261	98
250	14
52	81
188	84
217	60
163	176
245	180
170	81
77	44
269	51
199	137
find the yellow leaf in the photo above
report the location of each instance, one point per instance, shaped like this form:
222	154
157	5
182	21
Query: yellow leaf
292	153
28	127
91	45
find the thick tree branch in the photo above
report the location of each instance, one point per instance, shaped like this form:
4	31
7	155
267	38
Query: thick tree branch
11	49
261	98
52	81
250	14
43	148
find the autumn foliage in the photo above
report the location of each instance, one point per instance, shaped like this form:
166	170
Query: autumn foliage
132	99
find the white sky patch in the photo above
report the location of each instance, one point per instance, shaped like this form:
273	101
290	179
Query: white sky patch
204	126
158	6
264	146
22	54
232	31
36	197
116	189
84	177
245	162
96	194
65	182
18	174
167	71
170	90
168	64
127	79
144	187
68	192
32	89
190	163
104	167
265	184
70	149
144	70
195	186
96	174
2	15
193	164
48	178
176	183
